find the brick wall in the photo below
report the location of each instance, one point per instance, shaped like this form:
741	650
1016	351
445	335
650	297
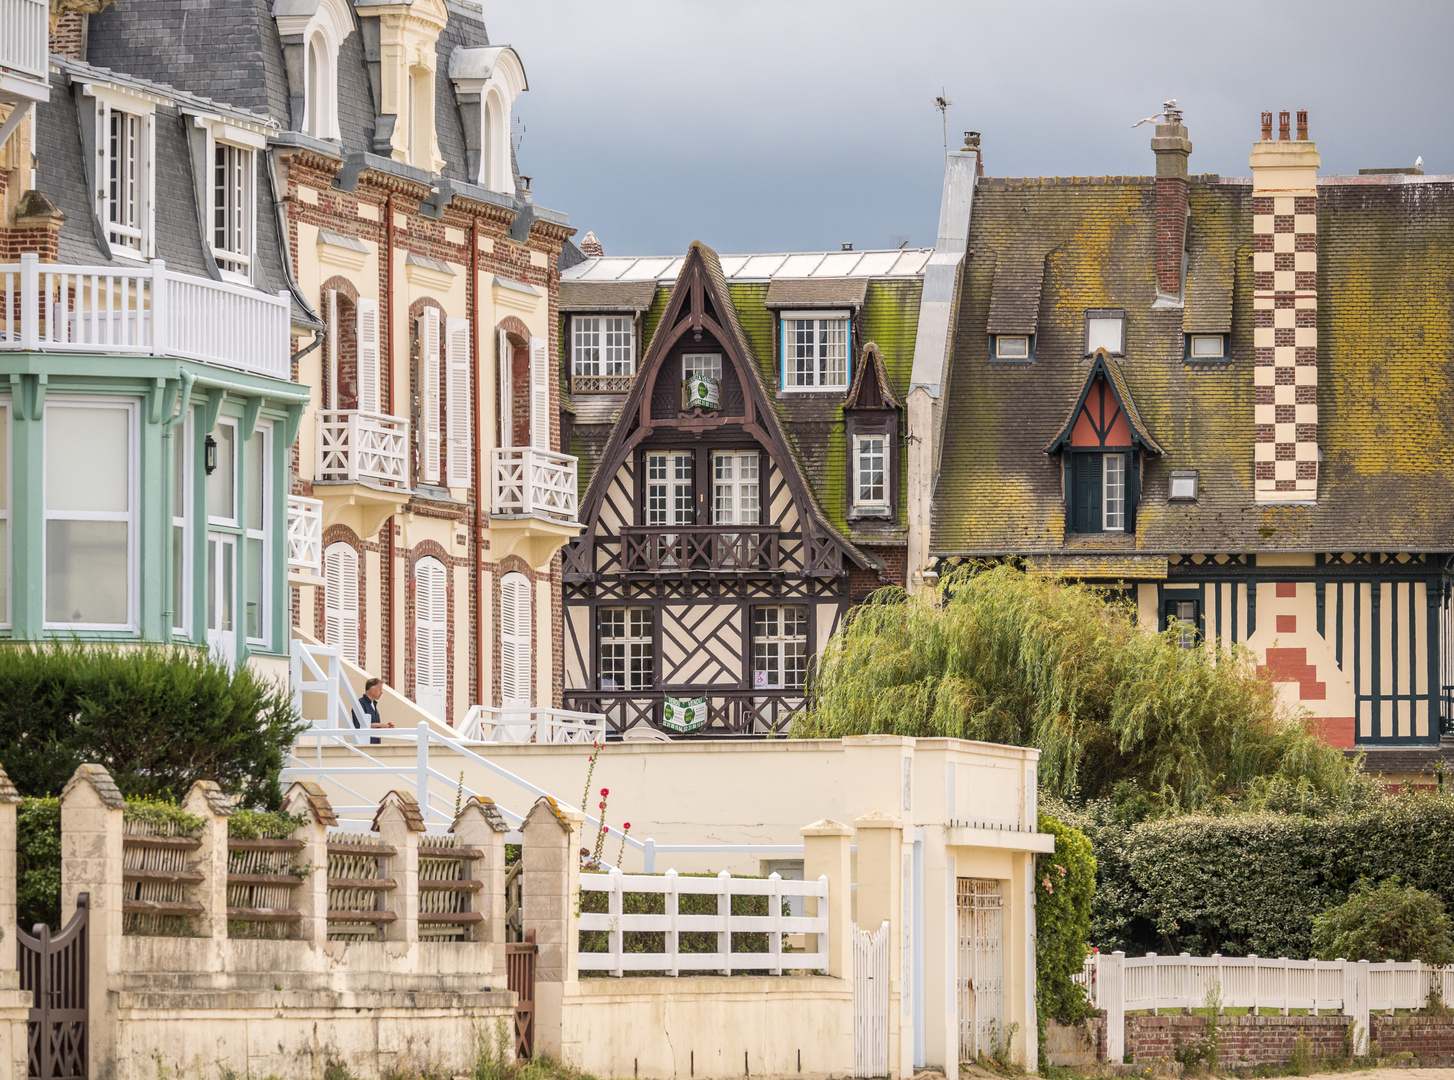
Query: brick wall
1170	233
1430	1039
1245	1041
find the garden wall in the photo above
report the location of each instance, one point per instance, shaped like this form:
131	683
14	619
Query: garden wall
1243	1041
1430	1039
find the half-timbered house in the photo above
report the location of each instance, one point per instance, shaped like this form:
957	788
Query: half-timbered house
746	474
1231	397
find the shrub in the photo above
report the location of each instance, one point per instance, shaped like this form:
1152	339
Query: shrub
1387	921
38	863
1064	883
1028	660
156	718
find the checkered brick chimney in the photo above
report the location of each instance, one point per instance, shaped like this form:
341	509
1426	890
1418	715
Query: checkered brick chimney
1285	311
1172	148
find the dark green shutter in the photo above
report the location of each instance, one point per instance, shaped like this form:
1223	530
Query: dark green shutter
1087	493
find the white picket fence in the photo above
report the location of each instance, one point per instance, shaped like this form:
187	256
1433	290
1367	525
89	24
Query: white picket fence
723	923
871	1001
1120	984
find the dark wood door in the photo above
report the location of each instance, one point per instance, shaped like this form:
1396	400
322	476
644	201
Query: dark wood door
54	970
520	976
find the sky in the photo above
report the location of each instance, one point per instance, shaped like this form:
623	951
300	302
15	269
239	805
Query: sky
800	125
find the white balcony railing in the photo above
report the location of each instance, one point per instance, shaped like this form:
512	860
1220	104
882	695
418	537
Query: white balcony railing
305	534
531	481
146	310
25	40
354	446
529	725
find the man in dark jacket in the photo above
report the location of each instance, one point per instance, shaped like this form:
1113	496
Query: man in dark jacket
367	713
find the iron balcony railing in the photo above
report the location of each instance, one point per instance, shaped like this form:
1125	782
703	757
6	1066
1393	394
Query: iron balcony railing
305	534
356	446
529	481
143	310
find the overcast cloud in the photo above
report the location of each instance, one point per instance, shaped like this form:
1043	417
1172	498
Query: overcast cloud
802	124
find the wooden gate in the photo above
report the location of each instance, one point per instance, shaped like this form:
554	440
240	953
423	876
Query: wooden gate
520	976
54	970
980	973
871	1001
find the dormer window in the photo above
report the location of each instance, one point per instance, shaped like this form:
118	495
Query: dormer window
320	110
603	353
815	350
1105	328
421	118
487	80
125	150
232	209
1206	348
1013	347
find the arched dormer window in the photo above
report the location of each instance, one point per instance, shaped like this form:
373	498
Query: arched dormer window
421	118
487	80
312	33
320	116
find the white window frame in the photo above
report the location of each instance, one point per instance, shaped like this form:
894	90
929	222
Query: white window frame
1191	348
320	94
708	365
1113	512
517	649
225	522
5	514
131	516
234	204
348	639
594	334
825	353
182	519
773	645
1107	316
676	492
860	443
1184	477
634	645
112	100
736	487
1002	354
264	431
428	329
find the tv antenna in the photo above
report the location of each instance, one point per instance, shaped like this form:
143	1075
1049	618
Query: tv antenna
942	103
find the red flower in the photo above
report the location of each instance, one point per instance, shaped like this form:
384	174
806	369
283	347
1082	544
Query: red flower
605	792
605	828
602	804
626	825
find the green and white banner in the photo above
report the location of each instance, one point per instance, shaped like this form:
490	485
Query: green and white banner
703	392
684	716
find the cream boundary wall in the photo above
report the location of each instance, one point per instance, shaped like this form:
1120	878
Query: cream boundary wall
14	1002
972	806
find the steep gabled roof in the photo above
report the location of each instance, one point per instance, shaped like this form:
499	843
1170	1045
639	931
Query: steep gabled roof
1104	366
871	388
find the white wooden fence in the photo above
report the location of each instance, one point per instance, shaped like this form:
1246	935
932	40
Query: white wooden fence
1120	984
672	924
871	1001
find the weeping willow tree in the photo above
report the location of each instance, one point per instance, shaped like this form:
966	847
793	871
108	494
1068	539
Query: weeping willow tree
1009	657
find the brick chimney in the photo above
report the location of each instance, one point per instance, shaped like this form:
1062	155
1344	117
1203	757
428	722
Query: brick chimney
1285	311
1172	148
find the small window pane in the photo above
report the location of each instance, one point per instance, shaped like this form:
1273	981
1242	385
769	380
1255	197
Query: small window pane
708	365
587	346
1115	492
871	469
1184	487
220	488
1104	334
254	589
253	466
85	572
179	569
86	459
1207	346
1012	348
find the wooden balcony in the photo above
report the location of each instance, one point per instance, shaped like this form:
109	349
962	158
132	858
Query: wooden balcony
766	712
726	549
533	500
362	472
24	51
143	311
305	536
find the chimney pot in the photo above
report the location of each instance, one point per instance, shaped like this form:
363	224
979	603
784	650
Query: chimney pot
1284	126
1302	125
971	140
848	245
1266	125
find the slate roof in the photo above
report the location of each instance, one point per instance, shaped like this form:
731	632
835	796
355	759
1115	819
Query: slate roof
1386	364
890	284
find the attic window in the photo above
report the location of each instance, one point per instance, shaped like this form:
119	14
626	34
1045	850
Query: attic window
1013	347
1206	347
815	350
1105	328
1183	486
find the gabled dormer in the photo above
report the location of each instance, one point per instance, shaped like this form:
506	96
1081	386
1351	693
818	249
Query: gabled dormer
400	38
1102	442
871	428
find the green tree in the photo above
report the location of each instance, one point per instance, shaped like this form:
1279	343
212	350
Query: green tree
157	718
1065	881
1387	921
1017	658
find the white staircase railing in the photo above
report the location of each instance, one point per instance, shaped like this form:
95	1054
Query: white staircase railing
318	669
532	725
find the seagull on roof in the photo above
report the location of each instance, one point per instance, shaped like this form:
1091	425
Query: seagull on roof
1419	162
1166	106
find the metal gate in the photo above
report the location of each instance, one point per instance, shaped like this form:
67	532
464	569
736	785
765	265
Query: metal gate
980	971
520	977
871	1001
54	970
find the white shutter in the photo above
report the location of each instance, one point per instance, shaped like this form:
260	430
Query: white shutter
431	610
429	395
506	403
515	650
340	600
539	393
147	178
457	400
367	336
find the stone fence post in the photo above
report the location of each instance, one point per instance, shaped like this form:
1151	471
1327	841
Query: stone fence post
208	802
91	862
399	823
826	849
481	826
549	895
14	1002
307	798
